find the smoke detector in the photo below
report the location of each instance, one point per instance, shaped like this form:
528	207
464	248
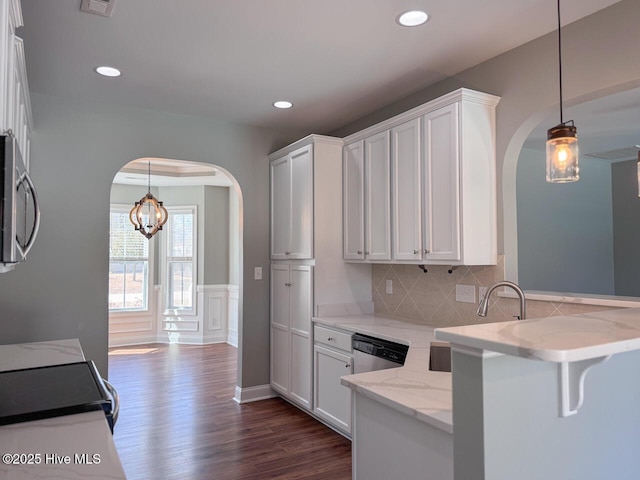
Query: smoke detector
98	7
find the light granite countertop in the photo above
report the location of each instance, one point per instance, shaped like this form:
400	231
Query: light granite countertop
59	437
411	389
556	339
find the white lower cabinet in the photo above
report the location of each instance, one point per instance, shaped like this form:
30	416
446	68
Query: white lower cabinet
332	400
291	353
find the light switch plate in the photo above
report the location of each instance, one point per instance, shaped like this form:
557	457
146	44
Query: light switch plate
466	293
257	273
390	287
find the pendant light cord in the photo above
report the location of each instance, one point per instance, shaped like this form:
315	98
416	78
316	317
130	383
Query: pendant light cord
150	161
560	63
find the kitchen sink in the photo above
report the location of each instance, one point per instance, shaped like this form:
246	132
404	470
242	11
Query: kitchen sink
440	357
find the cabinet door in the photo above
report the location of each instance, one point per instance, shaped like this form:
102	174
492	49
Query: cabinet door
280	328
442	185
301	342
301	238
353	198
377	197
280	207
406	191
332	399
280	355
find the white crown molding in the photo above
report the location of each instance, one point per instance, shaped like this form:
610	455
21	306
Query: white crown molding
462	94
303	142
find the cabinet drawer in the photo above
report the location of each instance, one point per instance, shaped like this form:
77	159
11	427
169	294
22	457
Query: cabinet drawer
332	338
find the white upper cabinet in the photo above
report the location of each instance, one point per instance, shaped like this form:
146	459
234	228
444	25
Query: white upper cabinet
442	185
436	166
377	205
407	191
15	106
353	205
292	205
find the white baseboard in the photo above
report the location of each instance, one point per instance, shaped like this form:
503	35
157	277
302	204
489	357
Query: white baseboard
253	394
123	340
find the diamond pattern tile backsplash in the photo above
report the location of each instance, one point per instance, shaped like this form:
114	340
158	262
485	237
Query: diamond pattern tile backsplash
430	298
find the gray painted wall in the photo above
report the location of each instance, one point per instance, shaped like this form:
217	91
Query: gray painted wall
565	231
626	228
216	235
77	148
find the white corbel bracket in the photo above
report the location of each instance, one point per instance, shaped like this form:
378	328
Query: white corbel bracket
571	377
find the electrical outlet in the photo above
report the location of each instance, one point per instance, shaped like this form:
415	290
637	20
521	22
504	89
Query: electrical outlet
389	287
257	273
466	293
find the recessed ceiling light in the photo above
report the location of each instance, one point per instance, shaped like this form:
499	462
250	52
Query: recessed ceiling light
412	18
108	71
282	104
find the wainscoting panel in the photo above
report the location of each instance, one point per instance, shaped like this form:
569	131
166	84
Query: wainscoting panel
215	320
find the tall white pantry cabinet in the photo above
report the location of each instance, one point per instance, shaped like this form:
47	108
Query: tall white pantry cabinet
307	271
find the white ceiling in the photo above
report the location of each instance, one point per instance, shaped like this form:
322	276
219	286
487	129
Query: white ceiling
336	60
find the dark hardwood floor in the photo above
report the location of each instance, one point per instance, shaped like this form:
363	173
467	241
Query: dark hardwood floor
178	420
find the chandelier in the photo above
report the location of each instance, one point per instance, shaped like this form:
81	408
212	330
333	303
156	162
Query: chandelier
148	215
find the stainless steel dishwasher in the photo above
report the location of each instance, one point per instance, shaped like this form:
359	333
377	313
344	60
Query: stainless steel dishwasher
371	353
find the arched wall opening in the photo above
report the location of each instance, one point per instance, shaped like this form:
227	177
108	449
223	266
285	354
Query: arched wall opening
183	285
587	109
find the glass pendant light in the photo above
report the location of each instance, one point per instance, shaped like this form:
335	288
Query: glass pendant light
562	140
148	215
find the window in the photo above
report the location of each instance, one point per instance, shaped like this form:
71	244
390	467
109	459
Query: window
180	258
128	264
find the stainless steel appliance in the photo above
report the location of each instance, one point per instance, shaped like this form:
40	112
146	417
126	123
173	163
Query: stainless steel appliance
19	210
370	353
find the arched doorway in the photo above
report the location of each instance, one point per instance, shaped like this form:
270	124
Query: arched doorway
571	224
184	285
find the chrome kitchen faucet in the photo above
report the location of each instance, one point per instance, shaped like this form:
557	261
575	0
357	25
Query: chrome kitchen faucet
484	303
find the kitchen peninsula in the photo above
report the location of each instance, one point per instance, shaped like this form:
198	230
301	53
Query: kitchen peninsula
540	398
553	398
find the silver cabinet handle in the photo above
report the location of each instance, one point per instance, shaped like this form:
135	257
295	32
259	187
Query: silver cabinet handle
426	251
288	284
415	252
330	339
347	365
359	252
287	253
367	253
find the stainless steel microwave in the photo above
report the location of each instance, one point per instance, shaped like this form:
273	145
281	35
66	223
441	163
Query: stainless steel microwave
19	210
